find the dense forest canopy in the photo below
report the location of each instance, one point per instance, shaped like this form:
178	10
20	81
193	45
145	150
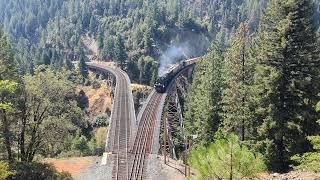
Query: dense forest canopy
263	87
51	32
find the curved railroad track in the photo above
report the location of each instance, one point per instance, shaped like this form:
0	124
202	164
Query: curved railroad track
122	132
144	138
122	118
130	165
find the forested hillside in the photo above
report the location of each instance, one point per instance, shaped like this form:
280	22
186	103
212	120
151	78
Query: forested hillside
264	88
49	32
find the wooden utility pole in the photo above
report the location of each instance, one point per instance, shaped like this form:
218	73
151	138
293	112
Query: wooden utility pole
165	140
189	151
185	159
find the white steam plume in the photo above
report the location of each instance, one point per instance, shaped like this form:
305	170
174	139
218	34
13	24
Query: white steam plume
194	45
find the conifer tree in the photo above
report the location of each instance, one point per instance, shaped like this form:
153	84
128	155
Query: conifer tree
8	70
226	158
8	78
238	75
119	51
203	104
287	80
100	36
147	40
92	24
108	48
83	68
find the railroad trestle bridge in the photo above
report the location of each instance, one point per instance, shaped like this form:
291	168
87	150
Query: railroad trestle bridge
131	139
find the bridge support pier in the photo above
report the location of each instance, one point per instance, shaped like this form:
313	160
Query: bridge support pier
173	113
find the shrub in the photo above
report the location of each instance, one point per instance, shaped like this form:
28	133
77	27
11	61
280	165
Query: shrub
95	84
4	170
36	170
101	121
310	160
95	148
81	144
83	100
108	111
97	143
87	82
70	153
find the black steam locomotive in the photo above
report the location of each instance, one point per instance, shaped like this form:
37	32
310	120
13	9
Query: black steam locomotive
163	81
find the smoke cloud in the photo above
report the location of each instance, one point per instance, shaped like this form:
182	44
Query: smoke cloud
193	45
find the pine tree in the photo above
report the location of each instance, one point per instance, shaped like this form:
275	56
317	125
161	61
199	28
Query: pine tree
287	80
203	104
8	78
238	76
147	40
226	158
119	51
83	68
92	24
108	48
310	160
100	37
8	65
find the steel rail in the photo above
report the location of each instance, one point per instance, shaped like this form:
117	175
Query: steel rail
147	125
121	168
143	141
120	131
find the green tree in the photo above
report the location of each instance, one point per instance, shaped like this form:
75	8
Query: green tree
8	65
309	161
107	52
8	78
83	68
7	88
4	170
92	24
226	158
36	170
238	78
287	81
100	37
45	59
119	51
147	41
83	100
48	114
81	144
148	68
203	103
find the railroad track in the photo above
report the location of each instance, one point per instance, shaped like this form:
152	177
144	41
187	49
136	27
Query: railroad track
123	127
121	116
121	132
143	141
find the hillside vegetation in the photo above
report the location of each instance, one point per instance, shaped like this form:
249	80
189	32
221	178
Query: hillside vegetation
264	88
49	32
255	90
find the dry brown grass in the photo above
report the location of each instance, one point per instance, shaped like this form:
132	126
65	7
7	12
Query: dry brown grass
73	165
99	99
139	87
101	134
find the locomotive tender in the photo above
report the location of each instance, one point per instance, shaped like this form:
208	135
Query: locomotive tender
164	80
